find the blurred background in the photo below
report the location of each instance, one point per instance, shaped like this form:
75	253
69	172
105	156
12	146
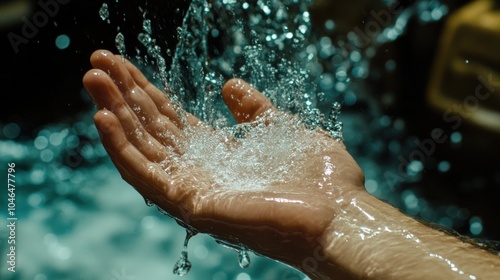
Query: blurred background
418	80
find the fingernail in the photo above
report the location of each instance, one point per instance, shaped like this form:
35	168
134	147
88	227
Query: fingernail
104	126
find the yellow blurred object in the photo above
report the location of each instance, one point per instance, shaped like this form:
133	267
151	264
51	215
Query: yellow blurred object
465	81
346	14
12	12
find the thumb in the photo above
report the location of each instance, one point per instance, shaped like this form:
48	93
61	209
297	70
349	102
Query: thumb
245	102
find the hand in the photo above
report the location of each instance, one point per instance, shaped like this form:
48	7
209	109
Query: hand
142	134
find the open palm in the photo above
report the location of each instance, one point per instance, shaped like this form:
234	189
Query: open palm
145	137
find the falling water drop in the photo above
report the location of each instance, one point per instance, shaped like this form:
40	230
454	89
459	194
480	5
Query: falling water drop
120	44
243	258
104	12
183	265
145	39
146	26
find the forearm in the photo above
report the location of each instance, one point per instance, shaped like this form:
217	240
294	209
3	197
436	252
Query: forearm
370	239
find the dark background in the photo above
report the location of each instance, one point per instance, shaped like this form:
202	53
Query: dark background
42	84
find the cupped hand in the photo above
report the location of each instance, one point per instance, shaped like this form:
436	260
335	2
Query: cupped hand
144	134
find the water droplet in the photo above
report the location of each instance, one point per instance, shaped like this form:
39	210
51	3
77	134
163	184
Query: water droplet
183	265
120	44
104	12
144	38
149	203
243	258
146	26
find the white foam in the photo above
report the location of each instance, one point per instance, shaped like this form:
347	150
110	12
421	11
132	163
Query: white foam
267	154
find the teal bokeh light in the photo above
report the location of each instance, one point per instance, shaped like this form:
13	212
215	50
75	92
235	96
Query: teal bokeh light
62	41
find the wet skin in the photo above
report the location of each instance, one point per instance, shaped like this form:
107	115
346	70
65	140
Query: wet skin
322	222
287	222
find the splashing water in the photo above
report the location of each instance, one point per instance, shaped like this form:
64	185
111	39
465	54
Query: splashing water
265	45
270	45
250	156
262	45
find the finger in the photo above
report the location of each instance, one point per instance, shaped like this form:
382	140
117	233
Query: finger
106	61
133	165
161	127
107	95
133	93
245	102
160	99
103	91
158	125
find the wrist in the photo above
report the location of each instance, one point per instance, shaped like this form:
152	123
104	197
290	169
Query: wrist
325	259
370	239
364	227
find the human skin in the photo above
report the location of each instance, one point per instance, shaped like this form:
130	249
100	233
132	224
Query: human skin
323	223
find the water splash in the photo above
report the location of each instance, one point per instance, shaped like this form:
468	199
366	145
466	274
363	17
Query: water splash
154	53
270	45
265	45
260	45
334	126
248	157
